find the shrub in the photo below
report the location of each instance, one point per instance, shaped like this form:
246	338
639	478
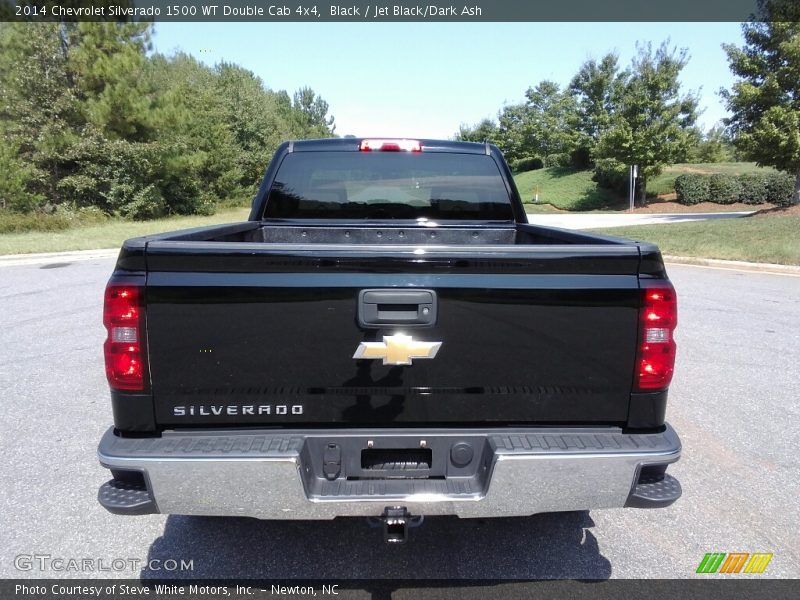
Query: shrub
753	188
90	215
780	189
207	205
183	194
527	164
557	160
80	190
692	188
581	158
724	188
13	222
58	220
137	180
137	203
611	174
15	177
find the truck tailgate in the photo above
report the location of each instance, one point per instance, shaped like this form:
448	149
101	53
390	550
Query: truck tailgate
265	334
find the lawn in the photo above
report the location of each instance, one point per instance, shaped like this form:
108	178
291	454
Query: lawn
566	189
770	239
107	235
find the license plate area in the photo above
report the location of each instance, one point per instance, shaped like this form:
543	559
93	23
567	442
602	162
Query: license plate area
387	457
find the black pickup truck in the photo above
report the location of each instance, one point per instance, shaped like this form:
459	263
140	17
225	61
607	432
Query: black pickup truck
387	336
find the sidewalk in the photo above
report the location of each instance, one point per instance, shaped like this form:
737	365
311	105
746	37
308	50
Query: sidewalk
598	220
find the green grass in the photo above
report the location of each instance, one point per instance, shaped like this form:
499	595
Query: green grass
107	235
665	183
770	239
566	189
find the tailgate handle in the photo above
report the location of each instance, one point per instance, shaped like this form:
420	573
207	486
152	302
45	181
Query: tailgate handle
382	308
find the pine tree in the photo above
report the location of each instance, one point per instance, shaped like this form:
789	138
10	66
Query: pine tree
39	113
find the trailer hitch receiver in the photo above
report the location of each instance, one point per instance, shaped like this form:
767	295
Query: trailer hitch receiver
395	521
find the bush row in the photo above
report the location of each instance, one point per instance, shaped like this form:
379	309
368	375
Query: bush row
722	188
527	164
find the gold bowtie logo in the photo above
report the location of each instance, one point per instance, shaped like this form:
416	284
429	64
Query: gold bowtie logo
397	349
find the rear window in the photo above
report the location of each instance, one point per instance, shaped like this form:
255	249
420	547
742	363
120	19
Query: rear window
388	185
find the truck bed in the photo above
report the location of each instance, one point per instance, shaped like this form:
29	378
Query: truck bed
409	233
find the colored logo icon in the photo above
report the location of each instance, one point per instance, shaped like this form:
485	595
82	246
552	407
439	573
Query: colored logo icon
734	562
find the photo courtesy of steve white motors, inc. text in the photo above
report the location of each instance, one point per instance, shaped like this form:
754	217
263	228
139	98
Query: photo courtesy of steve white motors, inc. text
161	589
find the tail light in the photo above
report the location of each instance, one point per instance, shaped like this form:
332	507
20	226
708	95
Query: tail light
390	145
124	347
655	360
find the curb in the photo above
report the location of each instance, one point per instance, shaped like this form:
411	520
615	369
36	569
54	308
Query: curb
14	260
733	265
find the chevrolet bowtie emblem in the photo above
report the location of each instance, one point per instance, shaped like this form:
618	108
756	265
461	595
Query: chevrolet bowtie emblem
397	349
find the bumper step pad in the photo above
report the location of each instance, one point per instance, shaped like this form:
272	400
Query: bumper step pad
123	498
655	493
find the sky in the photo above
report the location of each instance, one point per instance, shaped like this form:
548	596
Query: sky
425	79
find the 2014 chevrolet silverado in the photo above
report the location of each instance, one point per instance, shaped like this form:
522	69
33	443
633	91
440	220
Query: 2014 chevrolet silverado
387	336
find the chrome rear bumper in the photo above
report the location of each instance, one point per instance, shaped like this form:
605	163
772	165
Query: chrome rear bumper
282	475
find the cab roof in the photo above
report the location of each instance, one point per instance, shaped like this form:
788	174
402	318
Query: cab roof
354	144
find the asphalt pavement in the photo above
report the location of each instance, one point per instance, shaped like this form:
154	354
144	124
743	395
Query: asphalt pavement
734	401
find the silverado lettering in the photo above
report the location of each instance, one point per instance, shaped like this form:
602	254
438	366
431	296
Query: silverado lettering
405	325
262	409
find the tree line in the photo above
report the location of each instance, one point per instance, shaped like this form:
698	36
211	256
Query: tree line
608	117
90	118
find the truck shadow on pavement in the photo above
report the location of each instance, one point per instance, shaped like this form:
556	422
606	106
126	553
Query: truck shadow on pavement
546	546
